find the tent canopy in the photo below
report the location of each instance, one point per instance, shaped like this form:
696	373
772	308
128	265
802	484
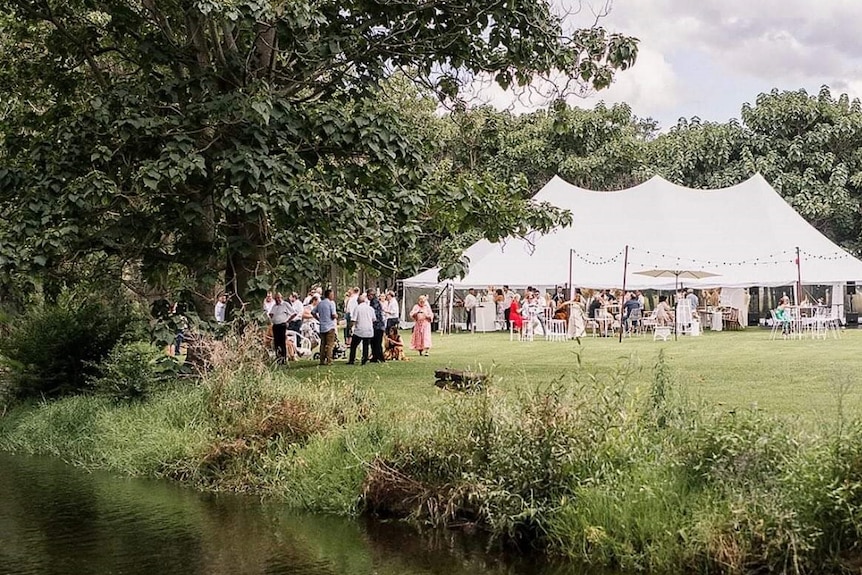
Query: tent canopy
746	233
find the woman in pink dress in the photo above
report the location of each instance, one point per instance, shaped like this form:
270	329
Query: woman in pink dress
422	316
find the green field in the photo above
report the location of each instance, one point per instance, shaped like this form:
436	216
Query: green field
735	369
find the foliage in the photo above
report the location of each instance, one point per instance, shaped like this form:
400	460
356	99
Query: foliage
130	370
602	148
189	134
53	349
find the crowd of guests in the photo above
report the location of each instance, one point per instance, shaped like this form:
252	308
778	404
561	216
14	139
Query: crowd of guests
369	320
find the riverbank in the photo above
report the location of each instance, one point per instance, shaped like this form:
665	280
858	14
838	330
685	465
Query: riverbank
605	466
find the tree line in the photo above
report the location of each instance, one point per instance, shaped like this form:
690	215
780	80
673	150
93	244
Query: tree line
208	145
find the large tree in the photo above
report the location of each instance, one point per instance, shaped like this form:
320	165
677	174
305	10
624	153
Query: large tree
220	135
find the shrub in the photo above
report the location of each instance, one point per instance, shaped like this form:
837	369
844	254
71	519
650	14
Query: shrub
130	369
53	350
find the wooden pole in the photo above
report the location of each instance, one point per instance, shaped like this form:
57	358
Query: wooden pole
625	273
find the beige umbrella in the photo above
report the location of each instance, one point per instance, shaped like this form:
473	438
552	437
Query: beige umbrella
674	273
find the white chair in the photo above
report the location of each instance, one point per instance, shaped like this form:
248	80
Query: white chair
776	324
648	322
634	323
695	327
526	332
662	331
683	317
556	330
304	347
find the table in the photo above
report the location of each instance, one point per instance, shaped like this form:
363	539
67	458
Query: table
486	317
711	319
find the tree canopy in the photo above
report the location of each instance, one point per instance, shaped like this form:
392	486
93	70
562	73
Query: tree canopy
247	140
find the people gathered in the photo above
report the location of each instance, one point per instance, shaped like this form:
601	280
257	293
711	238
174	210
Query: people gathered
301	327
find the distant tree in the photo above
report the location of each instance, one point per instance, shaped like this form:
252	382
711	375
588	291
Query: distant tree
702	154
808	147
600	148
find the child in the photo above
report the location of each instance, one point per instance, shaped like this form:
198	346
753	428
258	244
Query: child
394	347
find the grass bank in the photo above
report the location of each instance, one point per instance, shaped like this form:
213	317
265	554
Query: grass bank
726	453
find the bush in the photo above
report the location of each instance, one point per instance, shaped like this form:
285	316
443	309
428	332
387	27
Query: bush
53	350
130	369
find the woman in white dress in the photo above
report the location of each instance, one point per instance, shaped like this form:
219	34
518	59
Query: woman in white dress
577	317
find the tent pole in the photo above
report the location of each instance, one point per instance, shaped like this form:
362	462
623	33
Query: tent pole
798	277
675	307
625	270
571	286
451	322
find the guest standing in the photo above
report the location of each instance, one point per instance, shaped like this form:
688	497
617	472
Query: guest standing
279	313
221	308
391	311
325	314
577	321
362	319
379	327
422	316
470	303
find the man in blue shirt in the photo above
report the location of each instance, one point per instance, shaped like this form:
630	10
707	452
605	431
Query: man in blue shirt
632	307
327	316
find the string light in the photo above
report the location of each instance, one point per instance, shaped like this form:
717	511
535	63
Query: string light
597	260
780	258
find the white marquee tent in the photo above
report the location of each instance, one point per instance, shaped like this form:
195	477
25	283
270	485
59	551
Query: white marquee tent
745	233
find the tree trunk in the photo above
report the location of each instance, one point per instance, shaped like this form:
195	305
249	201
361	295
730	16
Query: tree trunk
245	255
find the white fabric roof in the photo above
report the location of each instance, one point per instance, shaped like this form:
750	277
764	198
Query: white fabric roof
746	233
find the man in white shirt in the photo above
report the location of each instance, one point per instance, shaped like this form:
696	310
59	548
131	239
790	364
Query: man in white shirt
349	310
391	310
268	302
508	296
363	329
221	308
278	315
470	303
294	322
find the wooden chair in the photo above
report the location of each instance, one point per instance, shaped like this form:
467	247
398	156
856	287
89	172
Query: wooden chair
730	319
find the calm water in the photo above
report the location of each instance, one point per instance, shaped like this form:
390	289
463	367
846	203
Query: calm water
56	519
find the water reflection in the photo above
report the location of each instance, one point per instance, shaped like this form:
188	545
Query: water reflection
55	519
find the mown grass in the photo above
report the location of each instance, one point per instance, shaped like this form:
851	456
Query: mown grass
730	370
726	453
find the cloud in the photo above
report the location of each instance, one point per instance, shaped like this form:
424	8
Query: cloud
651	84
784	44
706	57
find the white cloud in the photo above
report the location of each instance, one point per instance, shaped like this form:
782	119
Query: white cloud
651	84
708	57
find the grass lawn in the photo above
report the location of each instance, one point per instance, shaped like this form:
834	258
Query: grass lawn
731	370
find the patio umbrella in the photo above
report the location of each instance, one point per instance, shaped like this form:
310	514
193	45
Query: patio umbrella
675	273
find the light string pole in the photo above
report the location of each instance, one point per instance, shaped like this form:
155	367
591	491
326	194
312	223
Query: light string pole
625	273
798	276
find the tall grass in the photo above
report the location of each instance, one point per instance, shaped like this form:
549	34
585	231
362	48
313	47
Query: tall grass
593	465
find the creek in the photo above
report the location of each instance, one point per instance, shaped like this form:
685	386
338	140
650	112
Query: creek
58	519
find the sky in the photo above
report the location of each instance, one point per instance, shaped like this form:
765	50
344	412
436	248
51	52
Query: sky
706	58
